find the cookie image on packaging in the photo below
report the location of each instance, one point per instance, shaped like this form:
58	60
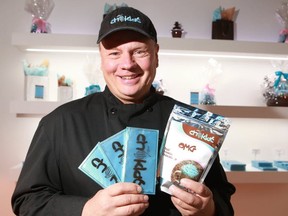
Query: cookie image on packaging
186	169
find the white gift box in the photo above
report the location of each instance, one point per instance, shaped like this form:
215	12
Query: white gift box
65	93
36	88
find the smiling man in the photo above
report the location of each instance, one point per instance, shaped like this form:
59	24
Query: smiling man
50	182
129	62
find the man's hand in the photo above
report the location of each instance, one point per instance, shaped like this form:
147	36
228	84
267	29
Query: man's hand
118	199
197	201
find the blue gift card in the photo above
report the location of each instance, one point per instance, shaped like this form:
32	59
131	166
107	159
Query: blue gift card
140	159
97	166
113	148
128	156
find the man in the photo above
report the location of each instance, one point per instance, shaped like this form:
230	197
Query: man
51	183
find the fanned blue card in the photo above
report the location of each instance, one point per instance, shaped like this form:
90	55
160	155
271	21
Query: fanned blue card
113	147
97	166
128	156
140	161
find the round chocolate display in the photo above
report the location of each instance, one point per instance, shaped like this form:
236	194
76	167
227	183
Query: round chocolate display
186	169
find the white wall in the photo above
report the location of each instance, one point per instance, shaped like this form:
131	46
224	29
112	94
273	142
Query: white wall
256	22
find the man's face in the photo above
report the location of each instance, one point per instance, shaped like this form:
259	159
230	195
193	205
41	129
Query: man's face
129	61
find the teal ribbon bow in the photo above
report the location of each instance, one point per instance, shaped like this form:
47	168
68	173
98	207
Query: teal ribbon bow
280	74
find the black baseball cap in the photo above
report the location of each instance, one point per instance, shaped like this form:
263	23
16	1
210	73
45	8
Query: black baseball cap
127	18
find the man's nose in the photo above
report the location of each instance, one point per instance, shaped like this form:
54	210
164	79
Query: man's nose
127	61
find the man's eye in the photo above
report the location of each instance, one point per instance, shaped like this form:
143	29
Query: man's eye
140	52
114	53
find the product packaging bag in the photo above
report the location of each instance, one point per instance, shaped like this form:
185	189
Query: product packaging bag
191	142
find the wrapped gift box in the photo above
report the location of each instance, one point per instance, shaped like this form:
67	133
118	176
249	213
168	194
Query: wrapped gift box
234	165
65	93
223	29
281	164
263	165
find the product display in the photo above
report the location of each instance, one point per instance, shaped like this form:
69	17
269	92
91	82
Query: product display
207	96
211	72
128	156
223	23
275	89
40	11
159	86
108	8
65	89
263	165
281	164
282	17
92	74
191	142
36	81
177	30
92	89
233	165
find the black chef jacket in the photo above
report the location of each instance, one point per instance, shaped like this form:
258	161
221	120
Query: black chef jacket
50	182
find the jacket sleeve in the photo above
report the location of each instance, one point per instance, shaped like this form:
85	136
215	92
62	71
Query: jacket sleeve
38	190
222	190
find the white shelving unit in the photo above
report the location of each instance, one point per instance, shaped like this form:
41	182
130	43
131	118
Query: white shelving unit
40	108
33	108
231	47
87	43
52	42
249	111
260	177
24	41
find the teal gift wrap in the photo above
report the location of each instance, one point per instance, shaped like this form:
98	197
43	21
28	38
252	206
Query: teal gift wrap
276	89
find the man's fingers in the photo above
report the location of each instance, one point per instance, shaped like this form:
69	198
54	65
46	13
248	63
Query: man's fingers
123	188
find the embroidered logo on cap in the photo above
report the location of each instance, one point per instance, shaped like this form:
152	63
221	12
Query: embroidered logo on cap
121	18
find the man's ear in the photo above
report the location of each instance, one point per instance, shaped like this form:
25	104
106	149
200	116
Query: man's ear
157	57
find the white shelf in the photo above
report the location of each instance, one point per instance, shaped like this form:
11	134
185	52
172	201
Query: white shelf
54	41
88	42
261	177
224	46
33	108
38	108
249	111
239	177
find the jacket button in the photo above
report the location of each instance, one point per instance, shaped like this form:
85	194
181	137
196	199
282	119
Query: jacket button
113	111
150	109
